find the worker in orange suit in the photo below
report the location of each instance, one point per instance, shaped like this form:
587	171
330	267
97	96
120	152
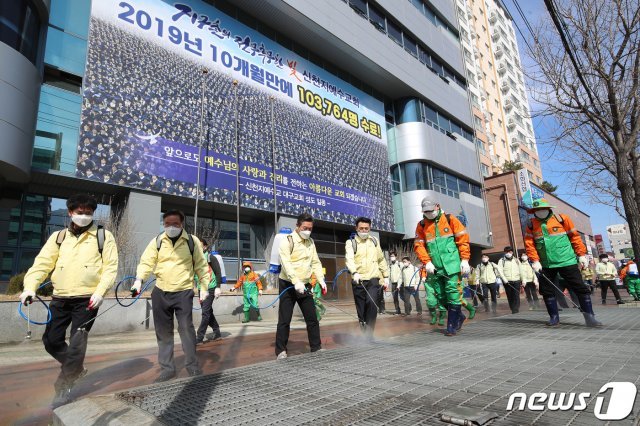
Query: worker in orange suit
251	288
442	245
555	247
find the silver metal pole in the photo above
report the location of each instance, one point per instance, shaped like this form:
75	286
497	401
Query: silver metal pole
235	129
195	215
273	161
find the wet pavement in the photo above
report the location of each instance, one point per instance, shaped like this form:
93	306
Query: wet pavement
409	375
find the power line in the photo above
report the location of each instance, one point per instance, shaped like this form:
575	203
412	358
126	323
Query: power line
565	43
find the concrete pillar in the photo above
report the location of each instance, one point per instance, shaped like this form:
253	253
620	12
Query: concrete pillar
143	211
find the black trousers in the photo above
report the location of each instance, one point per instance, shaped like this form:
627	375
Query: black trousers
396	299
65	311
364	294
166	304
572	280
489	290
380	300
208	319
512	289
530	292
604	285
406	294
285	311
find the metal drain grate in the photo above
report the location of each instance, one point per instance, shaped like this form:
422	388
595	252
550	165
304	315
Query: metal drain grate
412	379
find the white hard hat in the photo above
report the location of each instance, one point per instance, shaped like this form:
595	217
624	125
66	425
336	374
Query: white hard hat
429	203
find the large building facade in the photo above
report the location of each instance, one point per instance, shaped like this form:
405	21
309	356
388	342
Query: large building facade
620	240
341	108
501	113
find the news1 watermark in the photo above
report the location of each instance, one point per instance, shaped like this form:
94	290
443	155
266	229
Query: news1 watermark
619	406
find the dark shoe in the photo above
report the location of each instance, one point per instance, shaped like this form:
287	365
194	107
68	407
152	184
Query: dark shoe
604	302
460	317
591	321
620	302
552	309
63	396
165	376
195	372
587	311
216	336
452	322
199	341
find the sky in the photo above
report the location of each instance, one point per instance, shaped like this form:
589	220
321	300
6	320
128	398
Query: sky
552	168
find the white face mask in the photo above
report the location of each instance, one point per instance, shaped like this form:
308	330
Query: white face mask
542	214
508	255
305	234
172	231
406	264
524	258
363	235
485	260
247	270
392	258
82	220
432	214
605	261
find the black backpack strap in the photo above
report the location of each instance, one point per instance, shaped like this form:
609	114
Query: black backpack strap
159	241
354	245
559	218
60	238
100	234
192	246
291	243
375	241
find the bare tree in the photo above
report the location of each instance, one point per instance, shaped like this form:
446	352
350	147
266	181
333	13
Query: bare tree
587	81
122	226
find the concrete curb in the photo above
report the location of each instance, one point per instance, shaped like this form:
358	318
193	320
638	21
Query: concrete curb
102	410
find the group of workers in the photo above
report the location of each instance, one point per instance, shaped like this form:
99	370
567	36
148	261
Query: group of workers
82	263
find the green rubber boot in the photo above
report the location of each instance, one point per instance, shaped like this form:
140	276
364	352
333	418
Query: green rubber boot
246	317
443	316
471	309
434	316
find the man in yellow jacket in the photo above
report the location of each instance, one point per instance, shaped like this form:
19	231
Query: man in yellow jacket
83	263
299	263
175	257
367	266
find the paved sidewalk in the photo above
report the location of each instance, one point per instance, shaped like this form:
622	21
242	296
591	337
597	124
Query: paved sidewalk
411	379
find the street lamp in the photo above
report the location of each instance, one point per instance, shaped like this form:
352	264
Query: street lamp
195	216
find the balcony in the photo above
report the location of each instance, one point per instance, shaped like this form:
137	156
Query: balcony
508	105
511	124
505	87
493	17
502	68
499	52
495	36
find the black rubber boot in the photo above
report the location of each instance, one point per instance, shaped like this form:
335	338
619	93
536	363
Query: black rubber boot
552	308
587	311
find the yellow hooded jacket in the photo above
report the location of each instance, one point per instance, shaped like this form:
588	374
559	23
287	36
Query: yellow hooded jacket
78	269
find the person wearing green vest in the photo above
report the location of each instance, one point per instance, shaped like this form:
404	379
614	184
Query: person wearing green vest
251	289
553	244
442	245
208	318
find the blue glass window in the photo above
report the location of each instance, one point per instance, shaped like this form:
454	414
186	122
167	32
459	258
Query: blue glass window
57	129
